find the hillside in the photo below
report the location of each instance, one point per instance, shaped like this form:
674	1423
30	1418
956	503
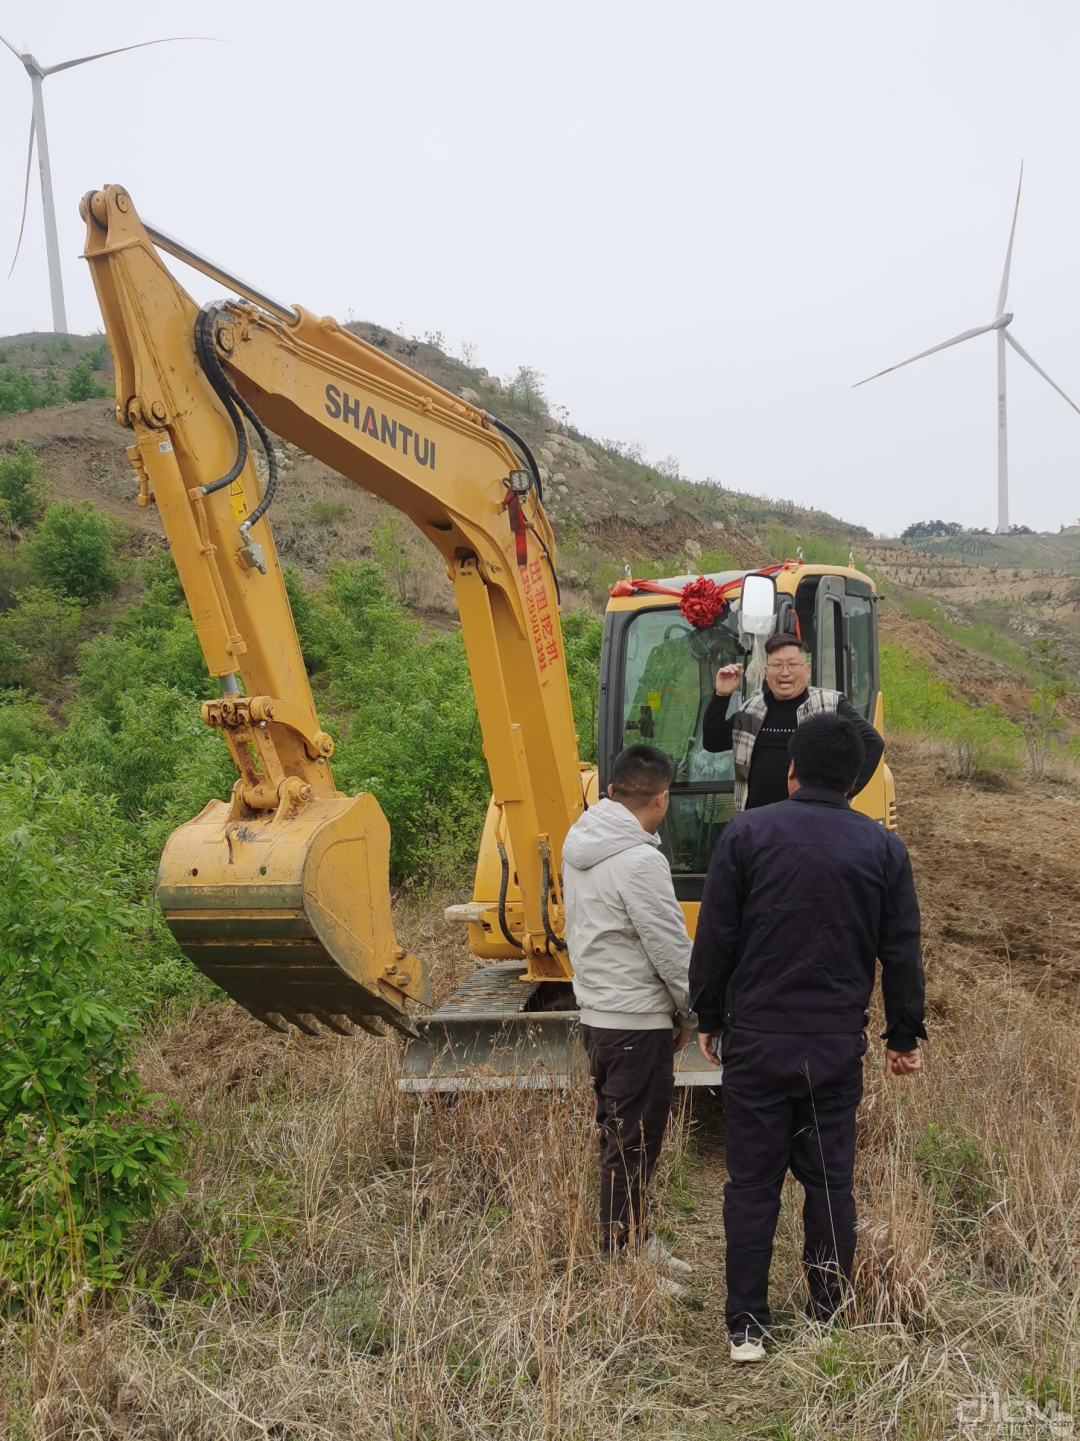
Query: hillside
978	618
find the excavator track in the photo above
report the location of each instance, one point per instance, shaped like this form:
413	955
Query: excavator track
492	1034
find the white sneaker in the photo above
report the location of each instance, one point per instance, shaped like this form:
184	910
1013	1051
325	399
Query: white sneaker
655	1253
746	1348
671	1289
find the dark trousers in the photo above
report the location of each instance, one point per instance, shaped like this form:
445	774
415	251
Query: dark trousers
633	1075
790	1103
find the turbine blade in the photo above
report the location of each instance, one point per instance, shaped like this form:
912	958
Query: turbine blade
11	47
1003	293
967	335
26	194
1022	352
85	59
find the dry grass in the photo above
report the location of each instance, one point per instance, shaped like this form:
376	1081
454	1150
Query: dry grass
349	1263
352	1262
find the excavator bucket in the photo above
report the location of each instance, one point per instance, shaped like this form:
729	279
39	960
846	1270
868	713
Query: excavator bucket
290	914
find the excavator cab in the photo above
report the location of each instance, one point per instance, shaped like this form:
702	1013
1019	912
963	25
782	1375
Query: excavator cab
658	678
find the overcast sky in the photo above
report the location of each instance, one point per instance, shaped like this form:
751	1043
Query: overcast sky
702	222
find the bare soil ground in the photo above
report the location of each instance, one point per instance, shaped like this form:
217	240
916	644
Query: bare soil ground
998	876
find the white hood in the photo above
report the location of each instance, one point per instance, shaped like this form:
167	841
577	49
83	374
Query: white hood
624	929
605	830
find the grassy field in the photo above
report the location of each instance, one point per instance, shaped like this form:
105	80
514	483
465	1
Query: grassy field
349	1261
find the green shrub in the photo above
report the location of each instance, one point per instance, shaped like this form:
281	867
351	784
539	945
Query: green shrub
18	390
52	392
393	553
582	635
38	640
311	628
328	512
149	750
81	1157
14	571
21	487
25	728
955	1166
404	713
81	384
526	391
73	551
136	733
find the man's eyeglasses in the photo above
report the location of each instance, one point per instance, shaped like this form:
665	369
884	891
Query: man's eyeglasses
780	665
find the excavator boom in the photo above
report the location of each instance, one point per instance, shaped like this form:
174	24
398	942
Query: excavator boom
281	894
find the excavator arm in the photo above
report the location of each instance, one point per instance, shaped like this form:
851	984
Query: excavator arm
282	894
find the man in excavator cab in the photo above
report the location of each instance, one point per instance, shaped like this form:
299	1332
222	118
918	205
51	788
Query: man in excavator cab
758	733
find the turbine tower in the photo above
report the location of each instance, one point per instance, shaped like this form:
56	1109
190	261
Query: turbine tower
1001	324
37	74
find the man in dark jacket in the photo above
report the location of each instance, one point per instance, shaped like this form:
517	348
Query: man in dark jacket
758	733
800	900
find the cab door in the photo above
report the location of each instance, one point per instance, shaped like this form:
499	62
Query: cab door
831	665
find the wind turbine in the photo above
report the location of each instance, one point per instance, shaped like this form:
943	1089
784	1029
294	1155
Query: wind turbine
1001	325
37	74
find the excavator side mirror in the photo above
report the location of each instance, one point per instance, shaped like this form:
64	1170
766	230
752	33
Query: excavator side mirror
758	613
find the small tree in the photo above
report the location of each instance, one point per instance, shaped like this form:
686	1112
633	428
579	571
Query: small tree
526	390
81	384
1045	716
393	554
21	487
73	551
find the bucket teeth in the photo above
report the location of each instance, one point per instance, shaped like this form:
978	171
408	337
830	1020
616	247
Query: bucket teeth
340	1025
370	1024
302	1021
267	1018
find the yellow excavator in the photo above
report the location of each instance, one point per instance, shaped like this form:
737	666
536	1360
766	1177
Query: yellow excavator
281	894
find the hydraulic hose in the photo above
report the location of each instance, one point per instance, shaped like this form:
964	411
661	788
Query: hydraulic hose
503	885
530	459
522	445
207	357
235	405
545	887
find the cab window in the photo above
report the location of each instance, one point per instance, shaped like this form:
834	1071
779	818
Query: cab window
669	676
831	670
861	639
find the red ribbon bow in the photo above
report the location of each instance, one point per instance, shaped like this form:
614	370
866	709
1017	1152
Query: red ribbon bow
701	601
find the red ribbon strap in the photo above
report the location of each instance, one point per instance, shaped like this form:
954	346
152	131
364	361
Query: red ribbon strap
701	601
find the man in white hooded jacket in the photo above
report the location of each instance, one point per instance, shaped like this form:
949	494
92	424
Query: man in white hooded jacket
630	951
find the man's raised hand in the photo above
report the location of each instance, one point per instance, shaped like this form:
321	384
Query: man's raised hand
727	679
